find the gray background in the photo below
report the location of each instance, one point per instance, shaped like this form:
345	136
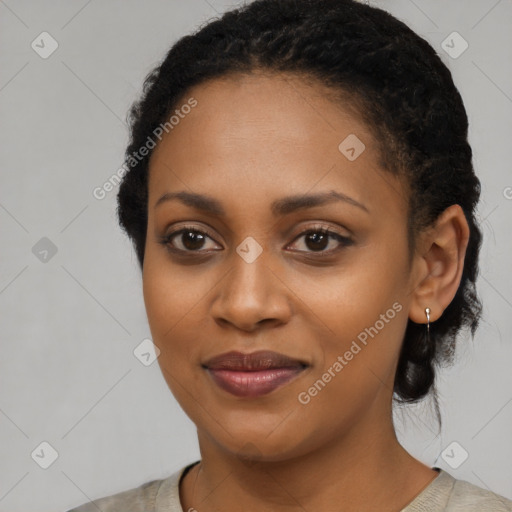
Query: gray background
70	321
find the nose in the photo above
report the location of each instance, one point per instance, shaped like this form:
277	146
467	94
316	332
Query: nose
252	295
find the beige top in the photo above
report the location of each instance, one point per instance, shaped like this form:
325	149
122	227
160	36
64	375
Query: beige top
443	494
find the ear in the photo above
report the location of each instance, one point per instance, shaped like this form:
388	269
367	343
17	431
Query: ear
439	262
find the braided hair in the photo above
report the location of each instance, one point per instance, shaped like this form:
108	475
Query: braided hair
401	89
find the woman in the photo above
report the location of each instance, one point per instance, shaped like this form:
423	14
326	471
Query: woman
301	197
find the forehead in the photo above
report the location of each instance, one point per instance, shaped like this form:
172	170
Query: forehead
261	136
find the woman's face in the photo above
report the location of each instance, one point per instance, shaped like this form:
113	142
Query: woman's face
245	160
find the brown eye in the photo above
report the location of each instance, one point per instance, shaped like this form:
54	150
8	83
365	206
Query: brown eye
192	240
187	240
318	239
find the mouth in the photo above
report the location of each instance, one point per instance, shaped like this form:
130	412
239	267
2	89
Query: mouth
255	374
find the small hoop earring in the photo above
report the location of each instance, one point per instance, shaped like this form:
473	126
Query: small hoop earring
427	312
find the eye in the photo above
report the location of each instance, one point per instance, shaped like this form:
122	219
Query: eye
318	238
187	239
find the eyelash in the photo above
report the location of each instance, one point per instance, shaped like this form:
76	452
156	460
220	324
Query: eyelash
343	240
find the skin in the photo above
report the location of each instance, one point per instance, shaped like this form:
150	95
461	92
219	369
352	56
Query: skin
250	140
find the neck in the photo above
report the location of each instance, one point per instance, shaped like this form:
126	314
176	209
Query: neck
365	469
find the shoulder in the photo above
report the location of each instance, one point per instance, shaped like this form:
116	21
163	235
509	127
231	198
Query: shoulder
448	494
468	498
132	500
154	496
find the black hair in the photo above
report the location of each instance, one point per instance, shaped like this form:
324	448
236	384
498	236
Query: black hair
402	90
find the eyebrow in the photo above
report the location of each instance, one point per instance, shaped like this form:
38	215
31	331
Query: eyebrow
280	207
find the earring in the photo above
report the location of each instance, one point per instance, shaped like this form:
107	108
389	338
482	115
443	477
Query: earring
427	312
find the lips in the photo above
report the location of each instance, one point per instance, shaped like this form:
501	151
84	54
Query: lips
255	374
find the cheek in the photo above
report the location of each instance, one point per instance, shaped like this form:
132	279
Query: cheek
352	299
172	302
172	299
357	362
363	311
171	293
